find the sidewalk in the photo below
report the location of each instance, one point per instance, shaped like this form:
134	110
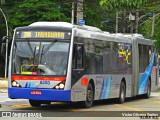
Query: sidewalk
3	86
3	83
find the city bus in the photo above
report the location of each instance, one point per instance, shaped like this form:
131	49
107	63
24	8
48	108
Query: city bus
58	61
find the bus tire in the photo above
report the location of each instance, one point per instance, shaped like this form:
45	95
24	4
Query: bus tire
122	93
35	103
89	97
147	95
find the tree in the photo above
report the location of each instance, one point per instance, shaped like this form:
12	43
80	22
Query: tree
94	14
25	12
146	31
123	6
31	11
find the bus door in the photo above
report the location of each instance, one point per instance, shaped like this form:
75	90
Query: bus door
77	62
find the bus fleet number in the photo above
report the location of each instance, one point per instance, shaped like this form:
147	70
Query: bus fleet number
45	82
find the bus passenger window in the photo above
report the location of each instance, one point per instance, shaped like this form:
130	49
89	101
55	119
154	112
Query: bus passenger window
78	56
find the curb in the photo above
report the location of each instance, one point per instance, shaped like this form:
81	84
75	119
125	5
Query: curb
3	84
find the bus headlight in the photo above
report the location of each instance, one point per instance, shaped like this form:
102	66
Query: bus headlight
15	84
61	86
57	87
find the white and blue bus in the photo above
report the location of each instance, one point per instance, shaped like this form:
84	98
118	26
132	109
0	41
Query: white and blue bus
58	61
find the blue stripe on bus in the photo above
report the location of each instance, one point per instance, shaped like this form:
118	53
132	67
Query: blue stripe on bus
105	92
101	92
143	81
47	94
29	85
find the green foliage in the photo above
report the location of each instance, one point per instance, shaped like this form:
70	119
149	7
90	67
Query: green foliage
147	28
121	4
25	12
94	14
151	5
31	11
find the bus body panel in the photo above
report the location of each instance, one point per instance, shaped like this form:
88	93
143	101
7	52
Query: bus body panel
106	86
10	61
69	69
37	83
140	79
154	78
39	94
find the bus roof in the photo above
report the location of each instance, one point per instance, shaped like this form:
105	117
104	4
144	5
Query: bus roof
55	24
93	32
65	24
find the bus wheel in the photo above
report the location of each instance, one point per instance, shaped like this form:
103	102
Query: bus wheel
35	103
122	93
147	95
89	97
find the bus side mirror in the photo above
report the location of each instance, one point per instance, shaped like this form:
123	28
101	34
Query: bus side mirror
3	49
4	39
3	45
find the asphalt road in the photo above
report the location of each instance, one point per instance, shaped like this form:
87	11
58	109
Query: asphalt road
133	107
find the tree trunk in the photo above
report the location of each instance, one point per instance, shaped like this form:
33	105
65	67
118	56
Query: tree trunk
153	22
124	22
116	29
131	27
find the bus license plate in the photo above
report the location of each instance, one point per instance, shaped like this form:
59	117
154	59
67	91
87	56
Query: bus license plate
36	92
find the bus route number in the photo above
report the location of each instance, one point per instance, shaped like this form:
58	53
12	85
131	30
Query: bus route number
45	82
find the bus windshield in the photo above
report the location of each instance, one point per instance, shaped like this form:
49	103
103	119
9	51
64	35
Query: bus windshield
40	58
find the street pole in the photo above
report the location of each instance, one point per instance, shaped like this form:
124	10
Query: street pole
6	57
137	20
153	22
116	29
79	10
72	20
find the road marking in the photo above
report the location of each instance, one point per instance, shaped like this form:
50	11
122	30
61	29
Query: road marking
126	107
91	109
20	106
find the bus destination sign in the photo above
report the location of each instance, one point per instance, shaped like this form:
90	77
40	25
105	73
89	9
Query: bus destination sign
44	34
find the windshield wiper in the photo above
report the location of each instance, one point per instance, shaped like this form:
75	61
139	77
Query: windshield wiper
49	46
41	54
44	51
29	45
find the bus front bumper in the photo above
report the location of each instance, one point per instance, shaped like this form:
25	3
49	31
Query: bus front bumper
39	94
